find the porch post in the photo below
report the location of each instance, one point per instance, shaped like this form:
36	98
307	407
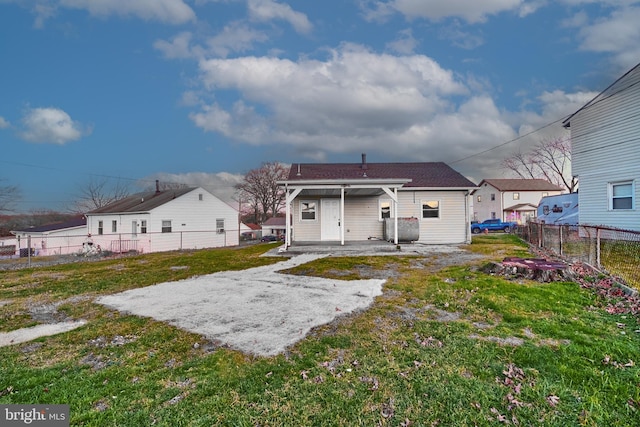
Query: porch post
287	221
342	216
395	216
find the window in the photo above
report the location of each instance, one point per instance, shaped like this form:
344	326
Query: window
220	225
385	209
143	226
545	210
308	211
100	228
621	195
479	199
114	226
200	197
493	215
166	226
493	197
516	196
431	209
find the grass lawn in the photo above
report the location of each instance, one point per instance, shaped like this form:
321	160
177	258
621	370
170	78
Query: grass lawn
445	345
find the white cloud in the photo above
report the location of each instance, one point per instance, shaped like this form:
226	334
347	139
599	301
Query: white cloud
617	34
235	37
50	125
405	43
267	10
4	123
471	11
168	11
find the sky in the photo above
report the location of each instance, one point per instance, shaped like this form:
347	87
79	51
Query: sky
200	92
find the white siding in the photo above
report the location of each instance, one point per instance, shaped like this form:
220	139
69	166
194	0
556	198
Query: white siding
362	219
606	148
193	225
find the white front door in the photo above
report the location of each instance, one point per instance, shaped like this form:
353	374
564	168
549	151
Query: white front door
330	219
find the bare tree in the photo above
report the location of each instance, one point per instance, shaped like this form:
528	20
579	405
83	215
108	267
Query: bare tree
98	193
549	160
261	192
9	194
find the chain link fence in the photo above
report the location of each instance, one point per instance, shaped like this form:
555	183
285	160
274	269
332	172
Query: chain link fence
24	247
616	251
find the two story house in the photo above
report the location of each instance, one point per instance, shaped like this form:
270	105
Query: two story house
510	199
605	139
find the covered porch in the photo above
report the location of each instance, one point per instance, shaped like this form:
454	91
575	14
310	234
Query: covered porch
332	195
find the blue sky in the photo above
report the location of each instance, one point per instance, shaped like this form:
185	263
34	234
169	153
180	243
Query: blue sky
201	91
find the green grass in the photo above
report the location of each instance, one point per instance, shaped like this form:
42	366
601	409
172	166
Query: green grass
398	363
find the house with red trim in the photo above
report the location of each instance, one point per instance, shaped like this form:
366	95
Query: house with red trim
351	202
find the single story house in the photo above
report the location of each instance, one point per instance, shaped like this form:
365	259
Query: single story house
60	238
275	226
155	221
346	202
514	200
605	154
561	209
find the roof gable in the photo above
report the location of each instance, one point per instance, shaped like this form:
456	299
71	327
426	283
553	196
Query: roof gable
142	202
630	78
421	174
521	184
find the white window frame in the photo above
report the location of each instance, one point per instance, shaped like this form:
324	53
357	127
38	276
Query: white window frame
164	227
100	228
315	210
422	203
380	203
611	197
143	226
516	196
114	226
220	225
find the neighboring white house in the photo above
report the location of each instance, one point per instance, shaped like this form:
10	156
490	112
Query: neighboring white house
510	199
605	140
351	202
561	209
275	226
186	218
60	238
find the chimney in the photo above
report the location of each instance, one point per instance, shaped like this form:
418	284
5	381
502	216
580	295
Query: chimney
364	161
157	186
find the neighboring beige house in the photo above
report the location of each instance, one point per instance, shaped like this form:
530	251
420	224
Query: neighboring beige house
605	140
185	218
60	238
346	202
510	199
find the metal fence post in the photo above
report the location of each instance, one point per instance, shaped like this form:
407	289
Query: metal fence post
560	232
598	247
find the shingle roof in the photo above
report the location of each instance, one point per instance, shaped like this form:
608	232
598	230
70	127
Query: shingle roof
275	221
423	174
142	202
522	184
78	221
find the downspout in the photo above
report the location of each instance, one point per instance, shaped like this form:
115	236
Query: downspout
467	215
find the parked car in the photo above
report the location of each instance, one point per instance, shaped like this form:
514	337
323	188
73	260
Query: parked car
269	238
493	225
